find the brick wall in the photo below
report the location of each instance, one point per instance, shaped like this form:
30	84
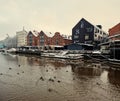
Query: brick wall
57	39
43	40
31	39
115	30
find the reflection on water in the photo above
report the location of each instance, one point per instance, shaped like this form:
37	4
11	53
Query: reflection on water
114	77
28	78
87	70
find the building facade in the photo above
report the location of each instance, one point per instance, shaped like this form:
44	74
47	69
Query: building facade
85	32
114	30
47	40
21	38
32	38
44	38
10	42
60	40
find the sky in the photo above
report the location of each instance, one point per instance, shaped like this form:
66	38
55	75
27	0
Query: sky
55	15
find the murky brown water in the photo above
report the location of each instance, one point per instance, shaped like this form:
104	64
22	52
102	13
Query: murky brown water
27	78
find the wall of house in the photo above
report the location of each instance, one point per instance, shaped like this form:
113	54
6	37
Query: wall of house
10	42
83	32
67	41
115	30
31	39
57	39
42	40
21	38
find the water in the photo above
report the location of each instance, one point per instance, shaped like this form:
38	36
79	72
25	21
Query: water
28	78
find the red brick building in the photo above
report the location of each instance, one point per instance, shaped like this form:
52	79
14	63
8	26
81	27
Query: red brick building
47	39
114	30
60	40
32	38
44	38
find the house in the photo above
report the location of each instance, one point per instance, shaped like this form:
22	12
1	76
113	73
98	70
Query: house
44	39
60	40
115	30
85	32
48	40
32	38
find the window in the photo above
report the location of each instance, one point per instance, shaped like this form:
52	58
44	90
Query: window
76	36
41	37
77	31
95	35
82	24
86	36
41	40
99	37
95	30
57	42
89	29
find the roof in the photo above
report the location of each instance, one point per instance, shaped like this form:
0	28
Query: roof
49	34
91	24
115	26
35	33
22	31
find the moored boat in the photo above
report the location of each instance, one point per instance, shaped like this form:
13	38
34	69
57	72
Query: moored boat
62	55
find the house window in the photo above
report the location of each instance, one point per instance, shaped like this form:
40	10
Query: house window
86	36
42	40
57	42
95	35
76	36
95	30
82	24
99	37
89	29
41	37
98	31
77	31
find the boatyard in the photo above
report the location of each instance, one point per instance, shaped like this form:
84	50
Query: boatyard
28	78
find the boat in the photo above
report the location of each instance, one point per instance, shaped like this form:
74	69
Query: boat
12	50
4	51
62	55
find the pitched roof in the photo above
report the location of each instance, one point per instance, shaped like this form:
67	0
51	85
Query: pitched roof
49	34
91	24
35	33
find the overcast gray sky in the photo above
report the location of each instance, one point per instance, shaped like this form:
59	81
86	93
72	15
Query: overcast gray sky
55	15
